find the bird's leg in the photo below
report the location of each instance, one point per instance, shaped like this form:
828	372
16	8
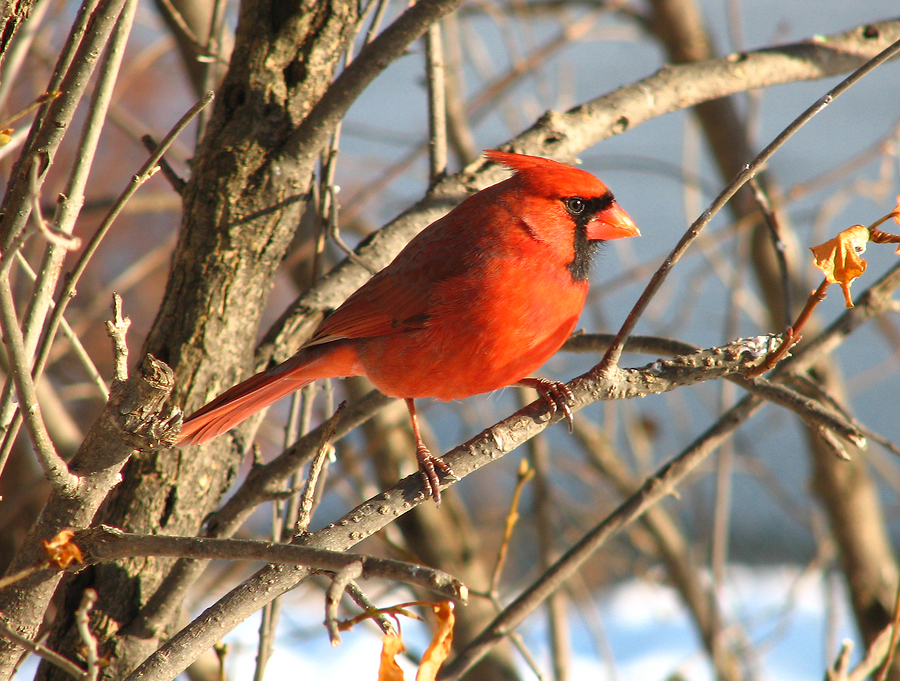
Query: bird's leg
427	461
556	394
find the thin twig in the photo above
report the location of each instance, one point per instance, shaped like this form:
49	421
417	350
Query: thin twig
325	451
187	33
39	101
7	580
838	671
117	328
792	333
213	46
72	199
54	235
330	207
71	76
543	507
895	636
168	172
71	335
333	598
42	651
437	104
55	468
778	244
89	641
301	410
265	646
385	623
526	473
375	26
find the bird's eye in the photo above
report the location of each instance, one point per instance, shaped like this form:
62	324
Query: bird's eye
576	205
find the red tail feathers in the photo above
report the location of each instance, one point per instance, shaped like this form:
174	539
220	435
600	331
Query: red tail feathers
259	391
235	405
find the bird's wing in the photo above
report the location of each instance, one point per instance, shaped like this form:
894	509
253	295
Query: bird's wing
401	297
389	303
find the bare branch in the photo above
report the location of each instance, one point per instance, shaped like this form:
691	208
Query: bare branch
55	468
145	172
326	450
70	667
437	103
83	622
104	544
810	411
341	580
81	54
117	329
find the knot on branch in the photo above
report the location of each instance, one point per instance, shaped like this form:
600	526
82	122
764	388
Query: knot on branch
136	412
141	413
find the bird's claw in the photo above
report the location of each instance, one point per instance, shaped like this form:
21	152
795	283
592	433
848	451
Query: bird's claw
557	395
428	465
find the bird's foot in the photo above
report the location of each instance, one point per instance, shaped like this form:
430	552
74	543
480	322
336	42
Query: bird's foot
557	394
428	465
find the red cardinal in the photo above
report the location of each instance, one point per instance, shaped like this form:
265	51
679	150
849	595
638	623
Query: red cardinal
477	301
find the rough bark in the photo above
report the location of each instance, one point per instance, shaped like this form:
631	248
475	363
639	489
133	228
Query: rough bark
12	16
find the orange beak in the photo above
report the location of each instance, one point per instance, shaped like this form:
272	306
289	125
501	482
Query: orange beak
611	223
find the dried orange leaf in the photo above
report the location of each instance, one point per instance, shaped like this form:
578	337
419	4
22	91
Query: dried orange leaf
440	643
839	259
389	670
61	551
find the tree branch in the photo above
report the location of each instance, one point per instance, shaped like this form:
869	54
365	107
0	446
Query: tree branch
55	468
106	544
